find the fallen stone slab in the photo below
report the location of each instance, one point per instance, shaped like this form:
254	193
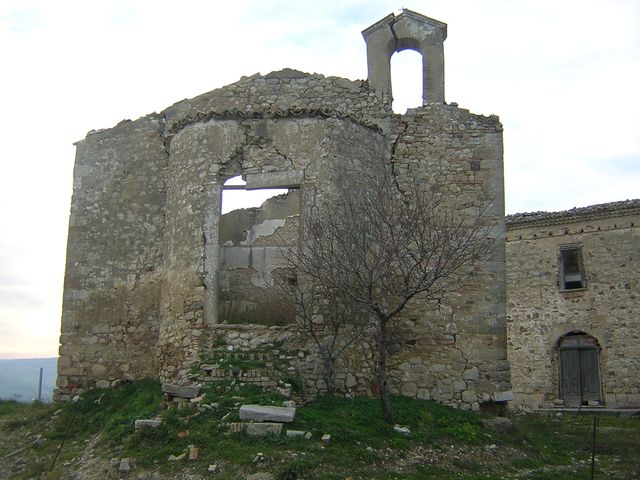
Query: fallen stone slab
125	465
262	429
402	430
499	424
152	423
185	391
259	413
295	433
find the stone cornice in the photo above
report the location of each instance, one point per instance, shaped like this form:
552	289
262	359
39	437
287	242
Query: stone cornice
266	114
593	212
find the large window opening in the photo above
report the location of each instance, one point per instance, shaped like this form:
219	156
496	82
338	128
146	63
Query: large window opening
254	228
571	268
406	80
236	196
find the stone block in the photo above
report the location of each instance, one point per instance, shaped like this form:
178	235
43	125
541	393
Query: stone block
469	396
505	396
186	391
459	386
193	453
423	394
499	424
283	179
402	430
471	374
71	371
259	413
125	465
152	423
263	428
409	389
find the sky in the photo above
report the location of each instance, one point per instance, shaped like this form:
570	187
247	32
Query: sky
562	75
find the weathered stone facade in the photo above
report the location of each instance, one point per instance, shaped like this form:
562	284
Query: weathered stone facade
152	268
575	342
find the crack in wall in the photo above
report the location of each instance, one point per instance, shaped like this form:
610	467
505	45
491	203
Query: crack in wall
394	147
166	140
395	35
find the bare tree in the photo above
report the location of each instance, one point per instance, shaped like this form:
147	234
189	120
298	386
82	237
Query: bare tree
379	248
332	321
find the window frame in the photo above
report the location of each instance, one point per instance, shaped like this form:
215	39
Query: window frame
563	281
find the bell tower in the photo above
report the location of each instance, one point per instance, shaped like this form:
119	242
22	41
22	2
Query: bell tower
408	30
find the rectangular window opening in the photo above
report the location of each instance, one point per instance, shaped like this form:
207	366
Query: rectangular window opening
571	268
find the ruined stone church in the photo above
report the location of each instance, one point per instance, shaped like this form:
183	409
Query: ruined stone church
157	278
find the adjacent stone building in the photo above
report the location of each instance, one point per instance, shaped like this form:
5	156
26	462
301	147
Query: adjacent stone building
155	277
573	303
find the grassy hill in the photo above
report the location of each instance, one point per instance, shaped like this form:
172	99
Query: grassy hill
97	433
19	378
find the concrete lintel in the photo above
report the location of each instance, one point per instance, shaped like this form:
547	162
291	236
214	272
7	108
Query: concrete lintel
284	179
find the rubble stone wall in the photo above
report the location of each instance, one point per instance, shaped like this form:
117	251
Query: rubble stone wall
455	351
608	309
111	302
285	129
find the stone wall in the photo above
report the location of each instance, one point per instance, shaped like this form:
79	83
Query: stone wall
307	153
111	303
540	312
149	262
454	352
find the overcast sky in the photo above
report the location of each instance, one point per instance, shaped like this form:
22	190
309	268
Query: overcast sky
562	75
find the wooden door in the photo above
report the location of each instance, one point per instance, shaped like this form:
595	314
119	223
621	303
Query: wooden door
579	371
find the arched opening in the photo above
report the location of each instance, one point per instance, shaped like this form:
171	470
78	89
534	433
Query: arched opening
579	369
406	80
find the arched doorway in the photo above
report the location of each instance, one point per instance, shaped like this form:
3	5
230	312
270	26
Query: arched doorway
578	356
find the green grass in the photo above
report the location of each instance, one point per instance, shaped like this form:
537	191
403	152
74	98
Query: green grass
444	443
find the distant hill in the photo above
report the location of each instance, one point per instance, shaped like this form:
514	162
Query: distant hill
19	378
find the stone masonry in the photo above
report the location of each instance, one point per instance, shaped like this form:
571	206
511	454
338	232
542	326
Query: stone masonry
597	316
153	270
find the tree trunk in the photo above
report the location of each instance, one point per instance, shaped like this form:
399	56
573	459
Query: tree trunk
383	391
329	375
